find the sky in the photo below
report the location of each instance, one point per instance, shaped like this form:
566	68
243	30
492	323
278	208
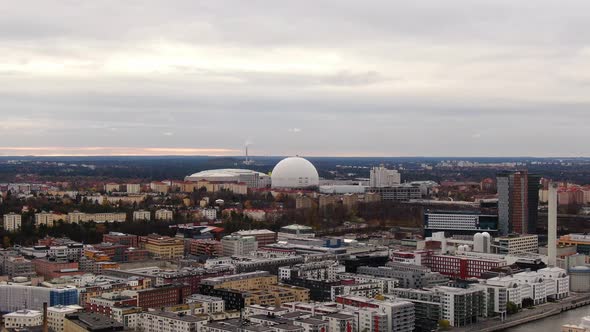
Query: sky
312	78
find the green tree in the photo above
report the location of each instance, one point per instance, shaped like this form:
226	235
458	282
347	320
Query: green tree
444	324
511	308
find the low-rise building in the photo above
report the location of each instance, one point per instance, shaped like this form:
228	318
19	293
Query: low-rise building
56	316
161	296
84	322
463	267
128	316
517	244
459	306
341	322
581	241
205	247
235	245
78	217
380	315
262	236
23	318
16	266
54	269
163	321
163	247
322	270
210	304
128	240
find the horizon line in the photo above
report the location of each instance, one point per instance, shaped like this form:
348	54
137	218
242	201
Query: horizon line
281	156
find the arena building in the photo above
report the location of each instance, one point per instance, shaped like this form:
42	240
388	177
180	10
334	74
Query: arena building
295	172
251	178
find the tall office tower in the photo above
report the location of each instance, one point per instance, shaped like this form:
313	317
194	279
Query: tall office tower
534	183
383	177
518	200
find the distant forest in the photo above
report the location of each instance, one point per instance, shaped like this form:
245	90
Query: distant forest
176	168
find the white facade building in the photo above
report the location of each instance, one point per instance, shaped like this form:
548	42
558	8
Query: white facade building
210	304
161	321
312	324
57	314
128	316
133	188
12	222
23	318
164	214
517	244
560	281
252	179
235	245
538	286
322	270
340	322
383	177
209	214
48	219
142	215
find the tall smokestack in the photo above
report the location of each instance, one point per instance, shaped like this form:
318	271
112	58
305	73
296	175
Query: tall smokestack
45	328
552	226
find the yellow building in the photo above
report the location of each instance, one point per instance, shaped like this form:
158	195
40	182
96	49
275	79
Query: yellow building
163	247
244	281
300	294
259	287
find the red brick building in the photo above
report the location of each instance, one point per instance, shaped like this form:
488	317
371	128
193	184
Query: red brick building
128	240
205	247
55	269
461	267
135	255
105	305
162	296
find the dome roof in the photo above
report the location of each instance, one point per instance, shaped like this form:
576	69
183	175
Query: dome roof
294	172
224	172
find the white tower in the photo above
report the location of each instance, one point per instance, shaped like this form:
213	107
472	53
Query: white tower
552	226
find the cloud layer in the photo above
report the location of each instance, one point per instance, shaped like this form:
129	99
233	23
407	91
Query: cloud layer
387	78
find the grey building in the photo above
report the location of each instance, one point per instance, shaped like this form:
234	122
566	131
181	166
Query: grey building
402	192
409	276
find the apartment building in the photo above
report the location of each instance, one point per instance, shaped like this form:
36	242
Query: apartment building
12	222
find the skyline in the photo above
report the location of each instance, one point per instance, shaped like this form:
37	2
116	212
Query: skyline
318	78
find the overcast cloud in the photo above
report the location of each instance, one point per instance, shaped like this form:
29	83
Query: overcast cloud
365	78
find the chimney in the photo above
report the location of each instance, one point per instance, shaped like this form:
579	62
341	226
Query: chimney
552	226
45	328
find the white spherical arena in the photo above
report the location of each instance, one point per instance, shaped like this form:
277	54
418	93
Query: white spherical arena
294	172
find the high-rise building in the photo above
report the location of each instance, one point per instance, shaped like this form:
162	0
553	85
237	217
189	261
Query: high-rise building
142	215
518	200
383	177
133	188
163	214
534	184
12	222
